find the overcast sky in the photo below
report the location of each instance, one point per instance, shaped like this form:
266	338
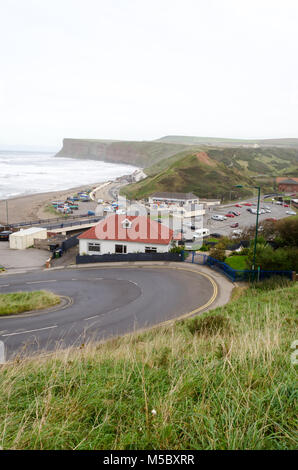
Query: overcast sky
141	69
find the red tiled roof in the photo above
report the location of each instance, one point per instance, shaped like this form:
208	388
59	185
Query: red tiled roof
142	230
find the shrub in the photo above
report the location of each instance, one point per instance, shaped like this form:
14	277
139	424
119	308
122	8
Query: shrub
208	325
218	253
274	282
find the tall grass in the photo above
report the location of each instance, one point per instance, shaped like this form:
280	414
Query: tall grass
220	381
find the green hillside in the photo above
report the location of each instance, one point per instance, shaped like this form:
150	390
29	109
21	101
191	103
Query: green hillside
193	140
222	380
214	171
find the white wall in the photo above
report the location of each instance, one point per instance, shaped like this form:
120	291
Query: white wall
21	241
108	246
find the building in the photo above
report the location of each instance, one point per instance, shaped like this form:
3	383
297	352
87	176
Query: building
25	238
174	198
127	234
289	185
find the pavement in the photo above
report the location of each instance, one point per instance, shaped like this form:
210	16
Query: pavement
14	260
105	301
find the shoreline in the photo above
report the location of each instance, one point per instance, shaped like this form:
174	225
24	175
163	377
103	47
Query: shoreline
32	206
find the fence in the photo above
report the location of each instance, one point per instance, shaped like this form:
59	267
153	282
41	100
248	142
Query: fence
70	242
63	220
81	259
234	274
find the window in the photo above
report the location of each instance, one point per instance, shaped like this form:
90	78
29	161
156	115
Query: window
126	223
95	247
120	248
150	249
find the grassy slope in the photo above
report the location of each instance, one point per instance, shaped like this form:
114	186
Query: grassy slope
220	381
208	178
18	302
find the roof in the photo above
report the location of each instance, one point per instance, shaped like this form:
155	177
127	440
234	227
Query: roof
175	195
142	230
288	181
29	231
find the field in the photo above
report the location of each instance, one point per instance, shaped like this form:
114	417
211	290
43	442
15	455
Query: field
224	380
18	302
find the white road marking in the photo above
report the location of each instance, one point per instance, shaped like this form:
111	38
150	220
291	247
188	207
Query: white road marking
2	353
4	285
39	282
31	331
90	318
133	282
74	279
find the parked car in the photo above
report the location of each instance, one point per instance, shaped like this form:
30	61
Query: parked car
290	212
247	204
234	225
268	210
286	205
235	213
218	217
238	205
90	213
278	202
215	235
202	232
4	235
229	215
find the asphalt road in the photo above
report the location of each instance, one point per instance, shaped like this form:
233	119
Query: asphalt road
106	302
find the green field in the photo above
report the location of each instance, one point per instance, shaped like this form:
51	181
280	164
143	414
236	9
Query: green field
18	302
223	380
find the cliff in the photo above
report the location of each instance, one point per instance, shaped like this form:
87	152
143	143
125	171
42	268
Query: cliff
142	154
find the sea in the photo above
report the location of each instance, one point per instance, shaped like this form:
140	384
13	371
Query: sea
28	172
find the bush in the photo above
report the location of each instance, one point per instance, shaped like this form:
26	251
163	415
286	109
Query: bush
218	253
204	248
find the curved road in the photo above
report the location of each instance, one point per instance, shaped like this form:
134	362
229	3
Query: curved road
105	302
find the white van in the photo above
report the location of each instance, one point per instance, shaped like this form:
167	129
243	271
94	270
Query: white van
218	217
201	232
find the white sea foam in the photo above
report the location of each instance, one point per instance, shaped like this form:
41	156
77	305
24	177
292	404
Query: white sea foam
23	173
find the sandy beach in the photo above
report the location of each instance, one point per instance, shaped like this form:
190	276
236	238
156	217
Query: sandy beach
33	207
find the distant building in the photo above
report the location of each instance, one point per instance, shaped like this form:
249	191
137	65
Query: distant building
176	198
127	234
289	185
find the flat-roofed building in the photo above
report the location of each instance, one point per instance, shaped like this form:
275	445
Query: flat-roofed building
174	198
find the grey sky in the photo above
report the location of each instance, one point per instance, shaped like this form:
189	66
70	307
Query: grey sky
139	69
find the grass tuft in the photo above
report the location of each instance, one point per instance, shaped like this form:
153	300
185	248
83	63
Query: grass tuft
18	302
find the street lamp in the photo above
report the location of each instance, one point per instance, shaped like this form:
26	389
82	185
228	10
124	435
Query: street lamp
257	223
